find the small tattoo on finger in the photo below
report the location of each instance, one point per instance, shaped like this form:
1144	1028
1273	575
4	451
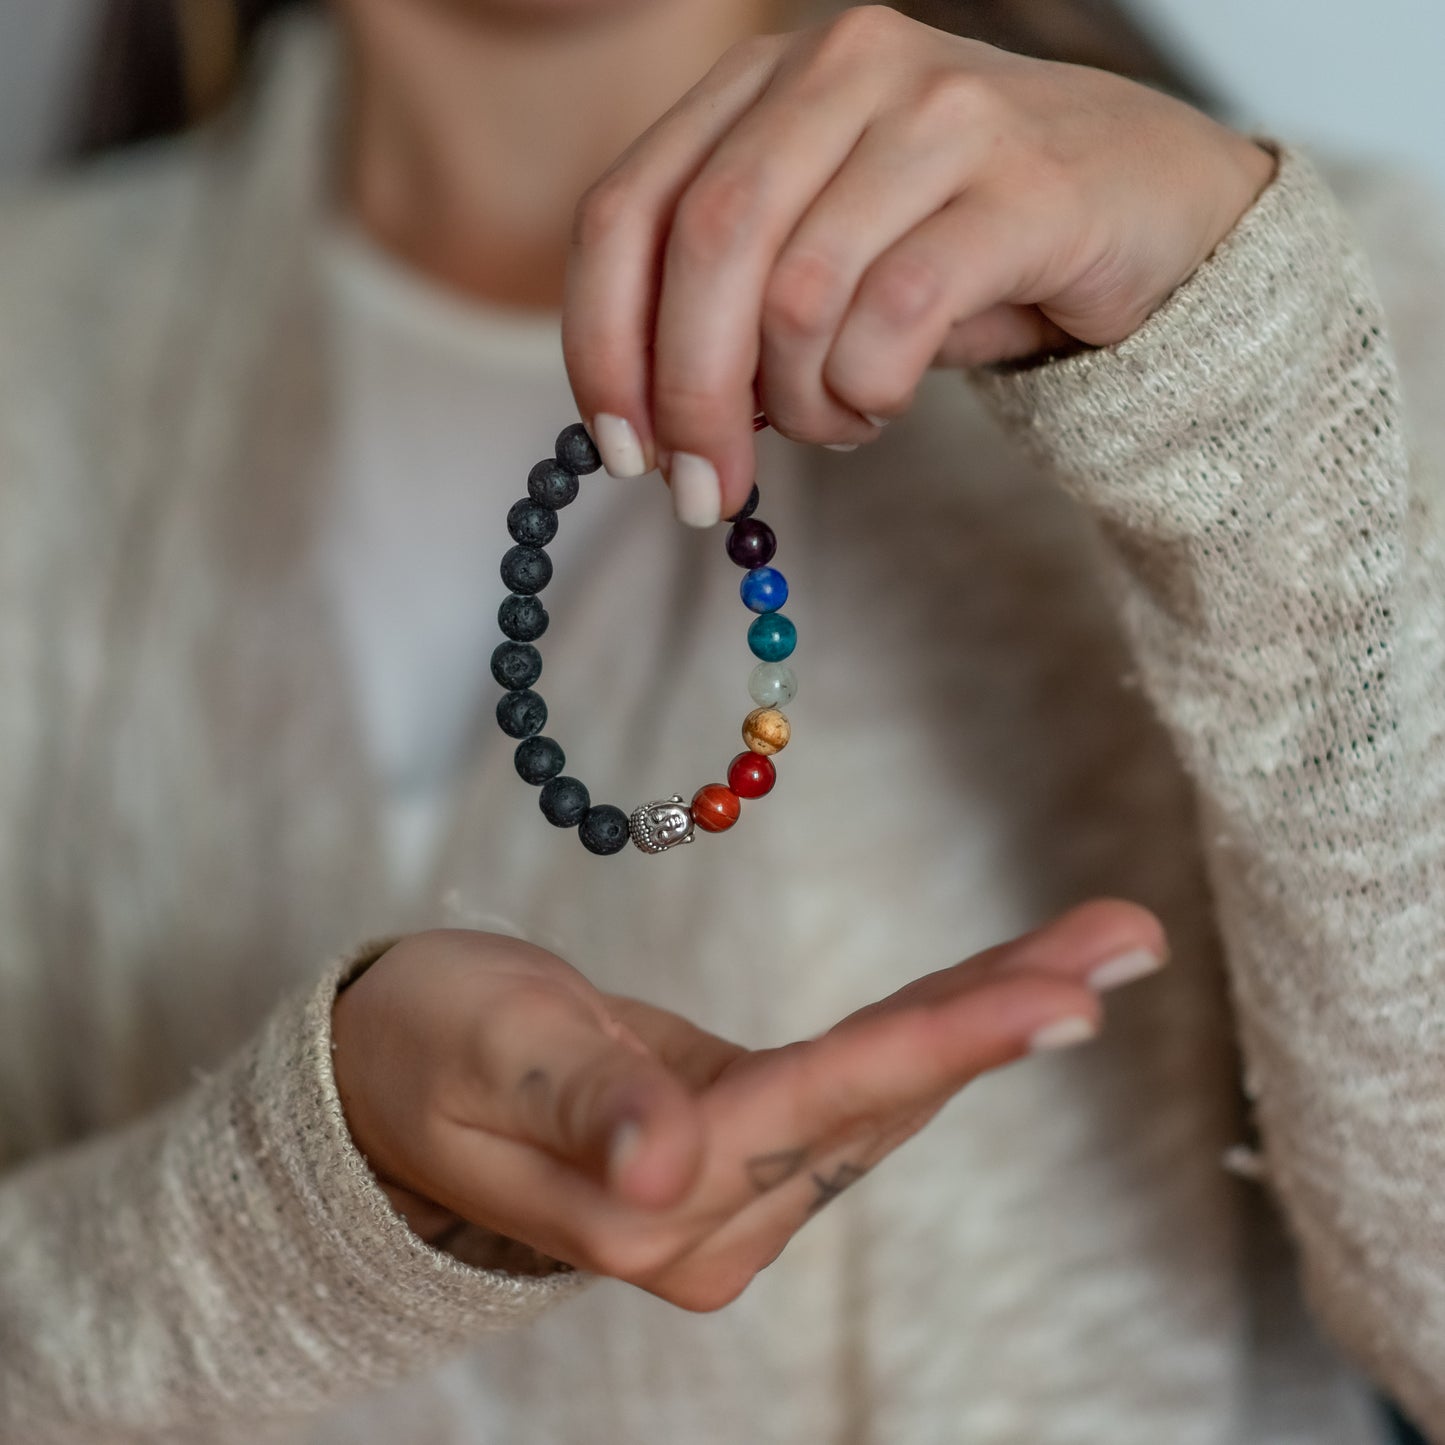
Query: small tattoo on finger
831	1187
768	1171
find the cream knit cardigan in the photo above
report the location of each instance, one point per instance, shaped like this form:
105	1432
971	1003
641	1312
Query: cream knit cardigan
1173	630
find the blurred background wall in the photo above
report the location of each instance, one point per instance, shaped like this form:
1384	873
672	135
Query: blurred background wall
44	48
1354	76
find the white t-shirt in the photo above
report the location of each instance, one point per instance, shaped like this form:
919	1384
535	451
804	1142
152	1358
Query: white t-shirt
439	406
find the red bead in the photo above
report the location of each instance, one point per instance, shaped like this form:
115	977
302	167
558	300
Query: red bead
750	775
715	808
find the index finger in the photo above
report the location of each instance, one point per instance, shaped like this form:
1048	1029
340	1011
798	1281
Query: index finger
614	263
764	1124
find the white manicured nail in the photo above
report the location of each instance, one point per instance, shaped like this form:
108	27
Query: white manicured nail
1137	963
1063	1034
841	446
696	494
625	1141
617	442
877	420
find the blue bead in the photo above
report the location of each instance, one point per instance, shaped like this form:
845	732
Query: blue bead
764	589
772	637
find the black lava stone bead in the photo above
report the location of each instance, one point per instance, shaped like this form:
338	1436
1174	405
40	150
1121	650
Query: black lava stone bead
516	664
604	830
751	543
526	569
532	523
551	484
523	619
538	759
564	802
576	451
520	714
748	507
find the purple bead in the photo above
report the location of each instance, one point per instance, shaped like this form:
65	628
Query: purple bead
751	543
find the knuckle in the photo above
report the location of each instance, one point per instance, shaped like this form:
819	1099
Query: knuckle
903	290
601	360
867	391
686	410
1046	186
751	51
605	208
716	214
955	99
801	425
801	300
859	30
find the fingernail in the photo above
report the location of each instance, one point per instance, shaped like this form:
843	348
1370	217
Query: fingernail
618	444
696	493
841	446
1063	1034
626	1139
1137	963
877	420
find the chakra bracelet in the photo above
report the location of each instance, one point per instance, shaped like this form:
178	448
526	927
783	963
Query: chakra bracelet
517	664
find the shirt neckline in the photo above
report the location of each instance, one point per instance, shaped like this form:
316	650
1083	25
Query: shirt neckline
362	274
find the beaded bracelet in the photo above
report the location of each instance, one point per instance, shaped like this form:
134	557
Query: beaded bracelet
517	664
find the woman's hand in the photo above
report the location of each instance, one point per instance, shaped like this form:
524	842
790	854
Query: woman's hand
485	1079
829	213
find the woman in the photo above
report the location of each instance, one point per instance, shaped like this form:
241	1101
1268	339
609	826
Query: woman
268	395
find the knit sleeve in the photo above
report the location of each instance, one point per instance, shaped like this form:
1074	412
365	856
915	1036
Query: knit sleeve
228	1259
1274	538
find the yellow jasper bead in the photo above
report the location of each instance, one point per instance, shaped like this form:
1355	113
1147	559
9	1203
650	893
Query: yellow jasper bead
766	730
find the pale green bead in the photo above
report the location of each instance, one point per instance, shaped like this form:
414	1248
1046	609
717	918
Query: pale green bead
772	684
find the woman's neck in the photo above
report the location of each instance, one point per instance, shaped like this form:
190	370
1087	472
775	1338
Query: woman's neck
472	131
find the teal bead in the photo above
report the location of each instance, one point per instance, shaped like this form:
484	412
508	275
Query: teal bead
772	637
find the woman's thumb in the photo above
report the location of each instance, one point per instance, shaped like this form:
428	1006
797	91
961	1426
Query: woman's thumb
612	1108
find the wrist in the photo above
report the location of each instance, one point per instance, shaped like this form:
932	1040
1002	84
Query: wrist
428	1221
1244	170
1253	166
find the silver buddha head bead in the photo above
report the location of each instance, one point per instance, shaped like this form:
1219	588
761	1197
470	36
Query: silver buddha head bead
656	827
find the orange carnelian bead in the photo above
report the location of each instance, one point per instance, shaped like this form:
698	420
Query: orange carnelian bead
715	808
750	775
